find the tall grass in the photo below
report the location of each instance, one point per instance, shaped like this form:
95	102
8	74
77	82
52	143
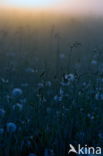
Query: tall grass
51	84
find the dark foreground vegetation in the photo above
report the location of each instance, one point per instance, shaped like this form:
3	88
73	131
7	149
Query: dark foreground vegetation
51	83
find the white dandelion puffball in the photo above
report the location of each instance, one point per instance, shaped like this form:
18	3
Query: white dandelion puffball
99	96
11	127
94	62
17	92
70	77
18	106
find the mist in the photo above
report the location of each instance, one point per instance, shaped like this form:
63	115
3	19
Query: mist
81	7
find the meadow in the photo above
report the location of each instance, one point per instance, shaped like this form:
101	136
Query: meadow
51	83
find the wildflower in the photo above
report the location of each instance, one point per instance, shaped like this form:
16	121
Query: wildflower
2	112
18	106
99	96
70	77
48	83
58	98
40	85
11	127
17	92
94	62
90	116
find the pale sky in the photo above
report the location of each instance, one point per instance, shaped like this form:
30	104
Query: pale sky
82	6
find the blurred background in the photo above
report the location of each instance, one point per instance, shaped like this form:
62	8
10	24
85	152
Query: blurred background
74	6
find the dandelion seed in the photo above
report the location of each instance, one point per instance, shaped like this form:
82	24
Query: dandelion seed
99	96
70	77
11	127
94	62
18	107
48	84
17	92
90	116
58	98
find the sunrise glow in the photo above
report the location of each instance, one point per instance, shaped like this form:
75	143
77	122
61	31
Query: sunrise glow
30	3
73	6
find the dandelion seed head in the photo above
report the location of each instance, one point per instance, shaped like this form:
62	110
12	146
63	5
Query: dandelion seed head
58	98
94	62
99	96
18	106
48	84
11	127
70	77
17	92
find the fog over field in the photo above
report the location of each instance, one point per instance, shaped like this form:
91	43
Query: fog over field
51	77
